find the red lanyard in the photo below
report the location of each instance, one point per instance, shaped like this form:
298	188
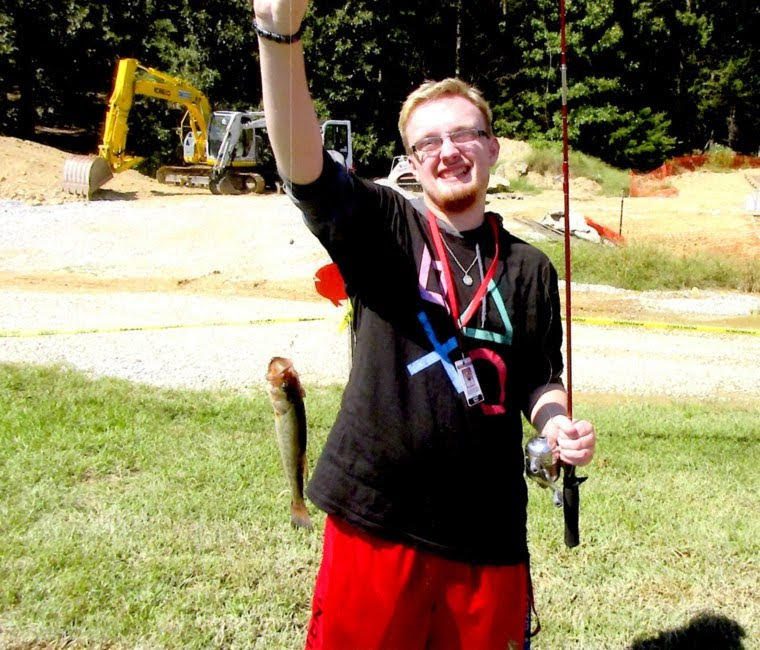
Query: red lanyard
451	293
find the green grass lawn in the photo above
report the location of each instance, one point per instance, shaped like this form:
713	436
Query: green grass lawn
132	517
643	267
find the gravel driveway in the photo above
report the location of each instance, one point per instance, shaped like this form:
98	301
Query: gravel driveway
174	340
211	341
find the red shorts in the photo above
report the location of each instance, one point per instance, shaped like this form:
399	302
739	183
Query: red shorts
372	594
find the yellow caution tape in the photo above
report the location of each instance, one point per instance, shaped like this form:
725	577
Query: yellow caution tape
711	329
603	322
148	328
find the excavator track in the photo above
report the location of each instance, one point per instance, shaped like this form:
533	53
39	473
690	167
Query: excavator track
185	176
238	183
199	176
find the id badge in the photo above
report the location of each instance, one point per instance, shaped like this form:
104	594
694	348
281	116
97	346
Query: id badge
466	371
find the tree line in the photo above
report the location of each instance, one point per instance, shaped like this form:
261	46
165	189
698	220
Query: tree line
647	78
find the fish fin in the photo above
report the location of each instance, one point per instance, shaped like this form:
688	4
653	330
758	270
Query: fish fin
299	516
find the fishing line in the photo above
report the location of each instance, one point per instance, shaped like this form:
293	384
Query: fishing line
290	92
566	196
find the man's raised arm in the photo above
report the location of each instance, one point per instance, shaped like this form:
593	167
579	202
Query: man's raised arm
291	120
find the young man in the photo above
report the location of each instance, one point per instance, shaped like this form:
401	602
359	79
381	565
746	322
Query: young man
458	332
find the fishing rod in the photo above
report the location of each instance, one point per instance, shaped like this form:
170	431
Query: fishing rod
570	482
540	465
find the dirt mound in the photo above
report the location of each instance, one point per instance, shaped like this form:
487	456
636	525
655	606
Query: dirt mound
707	215
31	173
513	156
513	163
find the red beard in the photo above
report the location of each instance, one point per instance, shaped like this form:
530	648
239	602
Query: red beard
455	200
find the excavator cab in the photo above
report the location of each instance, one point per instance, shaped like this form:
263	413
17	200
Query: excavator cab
232	136
336	136
236	151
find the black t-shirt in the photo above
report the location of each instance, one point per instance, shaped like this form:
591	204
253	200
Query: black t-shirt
407	459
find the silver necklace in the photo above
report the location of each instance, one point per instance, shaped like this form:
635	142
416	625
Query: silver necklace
466	277
482	277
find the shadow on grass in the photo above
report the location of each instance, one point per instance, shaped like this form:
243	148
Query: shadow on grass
706	631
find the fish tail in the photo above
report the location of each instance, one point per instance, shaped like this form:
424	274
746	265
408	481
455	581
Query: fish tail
299	515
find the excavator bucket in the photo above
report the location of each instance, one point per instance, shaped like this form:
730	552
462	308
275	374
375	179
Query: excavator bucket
84	175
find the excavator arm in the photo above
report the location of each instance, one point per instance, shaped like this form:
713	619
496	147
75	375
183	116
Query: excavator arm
134	79
85	174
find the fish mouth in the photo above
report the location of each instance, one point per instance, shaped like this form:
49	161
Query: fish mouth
278	369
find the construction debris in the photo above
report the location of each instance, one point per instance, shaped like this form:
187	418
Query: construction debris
581	227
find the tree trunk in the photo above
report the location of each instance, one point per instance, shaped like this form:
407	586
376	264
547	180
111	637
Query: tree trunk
733	129
26	78
458	62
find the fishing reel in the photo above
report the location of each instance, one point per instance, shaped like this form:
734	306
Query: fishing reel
540	466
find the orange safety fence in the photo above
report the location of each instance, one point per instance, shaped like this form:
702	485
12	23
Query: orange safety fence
745	161
605	232
646	185
654	183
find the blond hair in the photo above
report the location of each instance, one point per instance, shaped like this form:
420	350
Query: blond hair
450	87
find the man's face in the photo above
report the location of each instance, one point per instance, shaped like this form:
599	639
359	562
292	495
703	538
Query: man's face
456	177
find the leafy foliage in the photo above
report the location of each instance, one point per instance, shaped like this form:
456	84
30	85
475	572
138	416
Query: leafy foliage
647	78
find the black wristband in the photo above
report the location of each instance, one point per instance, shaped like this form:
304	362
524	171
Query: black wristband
277	38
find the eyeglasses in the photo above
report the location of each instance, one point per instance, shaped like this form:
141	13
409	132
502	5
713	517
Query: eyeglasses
432	145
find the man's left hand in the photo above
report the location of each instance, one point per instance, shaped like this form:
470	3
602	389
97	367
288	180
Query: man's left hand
573	442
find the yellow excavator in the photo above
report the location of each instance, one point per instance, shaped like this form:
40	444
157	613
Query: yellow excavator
85	174
226	151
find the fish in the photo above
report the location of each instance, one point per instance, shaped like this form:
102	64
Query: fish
286	395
